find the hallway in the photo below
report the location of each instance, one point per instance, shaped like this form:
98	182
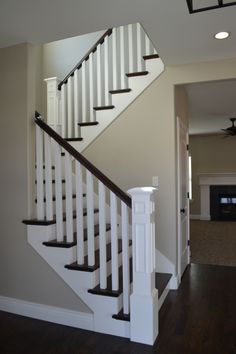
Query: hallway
199	318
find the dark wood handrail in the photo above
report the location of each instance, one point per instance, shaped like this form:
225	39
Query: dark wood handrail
94	170
92	50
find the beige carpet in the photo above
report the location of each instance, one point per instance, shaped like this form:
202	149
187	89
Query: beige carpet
213	242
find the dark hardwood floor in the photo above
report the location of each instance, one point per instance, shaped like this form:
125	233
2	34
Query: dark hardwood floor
199	318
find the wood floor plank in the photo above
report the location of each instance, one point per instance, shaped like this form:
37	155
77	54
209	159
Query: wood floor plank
199	318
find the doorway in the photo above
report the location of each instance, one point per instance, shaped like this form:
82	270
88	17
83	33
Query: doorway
211	105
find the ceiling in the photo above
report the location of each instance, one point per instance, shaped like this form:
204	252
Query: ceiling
210	105
178	36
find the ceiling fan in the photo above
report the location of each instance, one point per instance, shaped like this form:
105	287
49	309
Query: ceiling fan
231	130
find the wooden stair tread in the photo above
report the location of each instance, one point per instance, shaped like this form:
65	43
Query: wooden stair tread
161	281
61	244
151	56
53	221
73	139
138	73
108	291
122	316
65	244
53	167
63	198
85	267
114	92
53	181
101	108
87	124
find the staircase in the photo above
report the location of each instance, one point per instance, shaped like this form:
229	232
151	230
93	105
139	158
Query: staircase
116	70
98	239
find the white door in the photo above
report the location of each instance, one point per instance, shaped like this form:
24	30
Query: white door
183	200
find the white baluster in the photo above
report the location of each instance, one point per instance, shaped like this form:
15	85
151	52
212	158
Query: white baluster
131	48
90	218
39	173
144	298
125	257
99	77
64	110
122	58
69	204
139	48
48	176
84	94
76	103
114	243
147	45
91	83
102	236
58	190
70	107
106	71
79	214
114	58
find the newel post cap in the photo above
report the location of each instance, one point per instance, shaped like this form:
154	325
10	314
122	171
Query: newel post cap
142	190
56	79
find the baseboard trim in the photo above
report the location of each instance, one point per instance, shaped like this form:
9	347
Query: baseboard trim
47	313
195	216
163	296
205	217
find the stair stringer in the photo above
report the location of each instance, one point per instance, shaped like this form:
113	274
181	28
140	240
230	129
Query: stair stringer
103	307
121	102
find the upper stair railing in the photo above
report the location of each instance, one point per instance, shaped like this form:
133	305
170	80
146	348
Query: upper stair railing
103	71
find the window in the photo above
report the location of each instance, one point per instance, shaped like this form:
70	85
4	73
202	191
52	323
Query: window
205	5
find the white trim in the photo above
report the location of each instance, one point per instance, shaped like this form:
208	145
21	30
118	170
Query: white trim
174	282
163	296
205	217
53	314
180	125
195	216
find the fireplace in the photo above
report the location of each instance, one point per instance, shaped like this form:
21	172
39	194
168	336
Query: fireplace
223	202
214	180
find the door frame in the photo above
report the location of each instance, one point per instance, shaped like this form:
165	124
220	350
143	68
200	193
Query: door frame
181	125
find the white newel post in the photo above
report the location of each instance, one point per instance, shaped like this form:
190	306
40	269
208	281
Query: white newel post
144	298
53	104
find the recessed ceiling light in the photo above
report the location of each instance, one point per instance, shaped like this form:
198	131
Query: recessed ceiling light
221	35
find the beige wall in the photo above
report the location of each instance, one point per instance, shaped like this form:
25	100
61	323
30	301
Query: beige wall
141	143
181	104
213	154
23	274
